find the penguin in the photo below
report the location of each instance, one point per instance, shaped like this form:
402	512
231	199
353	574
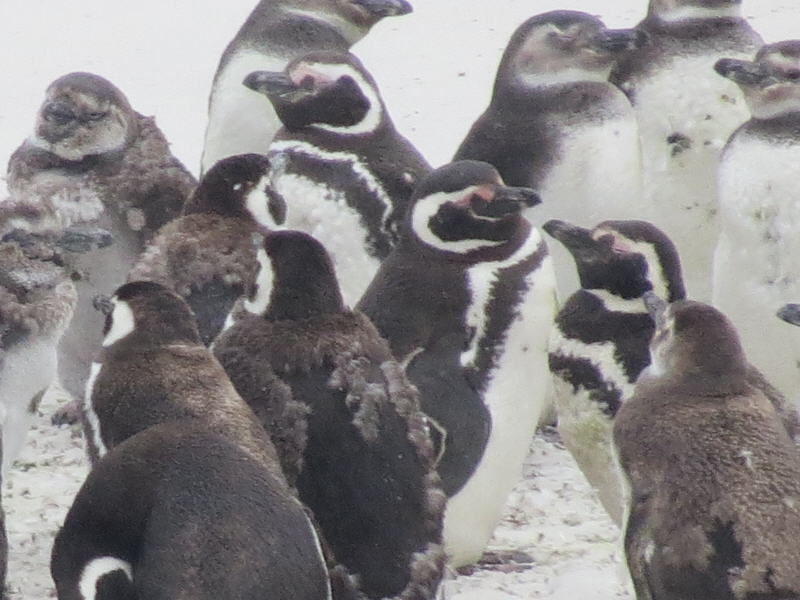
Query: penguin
92	160
713	476
360	455
557	125
207	255
345	172
181	510
275	32
686	115
756	266
466	301
601	338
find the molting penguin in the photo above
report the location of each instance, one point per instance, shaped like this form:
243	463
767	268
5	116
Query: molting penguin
557	125
361	456
714	478
757	260
685	116
277	31
207	255
466	301
345	172
92	160
601	338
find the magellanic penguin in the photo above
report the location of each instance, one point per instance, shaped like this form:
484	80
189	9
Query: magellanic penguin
466	301
714	508
601	338
277	31
345	172
757	260
208	255
93	160
557	125
686	115
363	461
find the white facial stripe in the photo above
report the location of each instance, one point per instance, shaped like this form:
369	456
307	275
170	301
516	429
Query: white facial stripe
686	13
264	283
374	114
771	110
91	415
571	75
122	322
256	203
427	207
97	568
618	304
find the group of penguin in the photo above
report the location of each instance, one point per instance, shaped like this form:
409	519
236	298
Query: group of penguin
252	435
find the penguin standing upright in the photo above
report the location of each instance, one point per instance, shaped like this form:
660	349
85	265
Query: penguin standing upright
757	260
93	160
601	337
714	478
685	116
557	125
466	301
207	255
359	454
275	32
344	171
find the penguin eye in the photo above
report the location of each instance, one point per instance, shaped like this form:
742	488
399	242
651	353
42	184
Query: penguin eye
96	116
793	75
58	114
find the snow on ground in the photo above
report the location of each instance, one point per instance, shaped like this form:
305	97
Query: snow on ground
435	69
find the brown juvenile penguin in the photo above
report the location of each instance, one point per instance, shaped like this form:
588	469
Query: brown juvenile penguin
714	506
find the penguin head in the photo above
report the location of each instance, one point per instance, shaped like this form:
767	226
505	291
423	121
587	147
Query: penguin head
147	313
695	341
84	115
673	11
564	46
331	91
239	186
771	82
368	12
296	279
626	258
465	209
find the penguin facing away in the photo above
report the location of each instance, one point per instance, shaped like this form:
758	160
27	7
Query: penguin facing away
345	172
275	32
93	161
756	265
714	478
207	255
466	301
360	456
685	116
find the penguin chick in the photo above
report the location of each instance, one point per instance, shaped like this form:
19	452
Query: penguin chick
181	510
365	468
714	478
207	256
344	170
92	160
756	265
685	115
466	301
277	31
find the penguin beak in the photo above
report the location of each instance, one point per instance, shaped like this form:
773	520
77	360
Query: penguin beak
744	72
385	8
506	201
103	304
573	237
79	240
790	313
272	83
657	307
621	40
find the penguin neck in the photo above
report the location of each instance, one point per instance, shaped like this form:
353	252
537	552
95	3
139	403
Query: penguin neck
691	14
699	31
214	200
290	302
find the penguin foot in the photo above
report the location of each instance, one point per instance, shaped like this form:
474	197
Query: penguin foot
69	414
508	561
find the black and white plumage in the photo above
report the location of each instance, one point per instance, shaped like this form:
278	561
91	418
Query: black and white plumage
275	32
685	116
466	301
93	161
757	259
714	478
345	172
601	338
180	461
208	255
358	450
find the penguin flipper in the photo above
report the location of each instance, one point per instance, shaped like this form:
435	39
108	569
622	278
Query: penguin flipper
635	544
